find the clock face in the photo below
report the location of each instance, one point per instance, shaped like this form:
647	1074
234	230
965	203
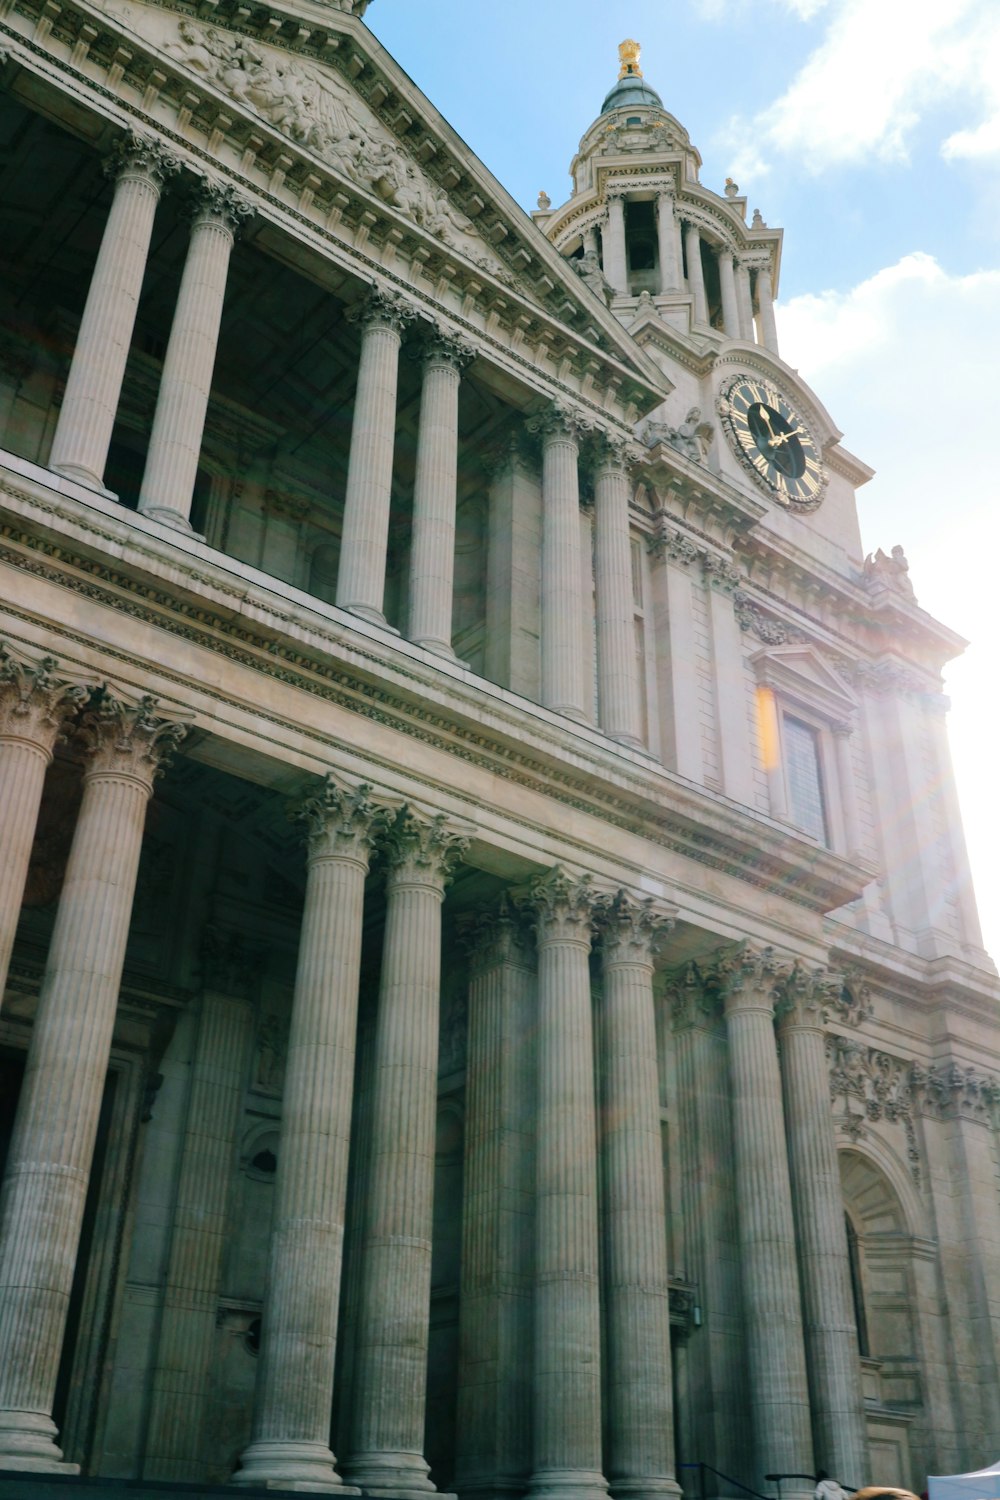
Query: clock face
772	442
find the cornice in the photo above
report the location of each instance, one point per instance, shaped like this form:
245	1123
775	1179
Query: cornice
56	539
304	193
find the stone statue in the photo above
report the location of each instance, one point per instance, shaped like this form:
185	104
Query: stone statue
892	571
588	268
691	438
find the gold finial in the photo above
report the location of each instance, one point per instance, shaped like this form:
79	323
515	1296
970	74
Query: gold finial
628	56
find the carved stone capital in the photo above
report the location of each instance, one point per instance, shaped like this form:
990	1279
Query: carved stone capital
952	1091
720	572
423	851
613	452
504	455
748	977
495	937
35	701
439	346
562	906
803	997
694	999
631	930
667	541
123	738
559	421
341	821
853	1003
382	308
138	156
873	1087
218	203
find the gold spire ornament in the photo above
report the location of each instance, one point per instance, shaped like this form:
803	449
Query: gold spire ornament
628	56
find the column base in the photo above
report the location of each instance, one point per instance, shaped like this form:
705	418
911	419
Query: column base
656	1485
371	614
392	1476
28	1446
439	648
172	518
287	1464
85	477
568	1484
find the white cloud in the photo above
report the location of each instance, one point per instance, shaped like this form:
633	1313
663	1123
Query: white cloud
877	71
905	364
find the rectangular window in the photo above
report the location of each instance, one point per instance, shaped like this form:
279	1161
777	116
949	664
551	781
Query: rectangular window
804	778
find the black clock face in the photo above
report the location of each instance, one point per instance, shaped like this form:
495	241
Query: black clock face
772	442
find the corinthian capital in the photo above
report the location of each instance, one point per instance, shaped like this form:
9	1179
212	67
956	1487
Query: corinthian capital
559	421
442	346
219	203
34	700
632	930
382	308
615	451
138	155
748	977
341	820
562	906
803	996
123	738
422	850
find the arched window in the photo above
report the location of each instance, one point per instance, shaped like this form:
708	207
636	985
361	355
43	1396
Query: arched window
857	1287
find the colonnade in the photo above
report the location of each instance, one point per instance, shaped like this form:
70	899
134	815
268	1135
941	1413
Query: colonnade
679	244
571	1127
83	434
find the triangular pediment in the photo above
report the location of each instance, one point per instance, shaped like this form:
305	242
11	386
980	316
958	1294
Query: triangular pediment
320	81
803	673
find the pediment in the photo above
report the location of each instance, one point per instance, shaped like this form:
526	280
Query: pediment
803	673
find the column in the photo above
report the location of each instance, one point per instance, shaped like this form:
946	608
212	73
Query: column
765	310
710	1252
567	1357
34	705
361	575
668	241
640	1445
678	678
613	237
776	1365
617	668
513	554
696	276
290	1446
182	1378
562	607
52	1145
847	786
590	240
495	1310
831	1337
730	680
390	1372
182	403
744	300
90	404
727	286
432	550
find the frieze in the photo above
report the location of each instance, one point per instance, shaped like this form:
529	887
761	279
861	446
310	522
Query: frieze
218	633
880	1085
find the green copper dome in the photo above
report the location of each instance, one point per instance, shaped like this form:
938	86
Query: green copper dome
631	89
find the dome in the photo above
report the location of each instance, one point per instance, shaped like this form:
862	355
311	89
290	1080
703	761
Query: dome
631	90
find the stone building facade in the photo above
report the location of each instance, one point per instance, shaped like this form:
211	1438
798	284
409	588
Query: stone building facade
596	1075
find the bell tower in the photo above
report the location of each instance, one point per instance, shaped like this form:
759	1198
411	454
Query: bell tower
649	238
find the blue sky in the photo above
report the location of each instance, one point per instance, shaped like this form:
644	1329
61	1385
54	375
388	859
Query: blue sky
870	131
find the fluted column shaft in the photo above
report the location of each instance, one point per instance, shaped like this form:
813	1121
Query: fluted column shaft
90	402
637	1295
744	301
391	1351
562	608
179	423
34	703
779	1395
696	275
493	1430
613	239
727	287
48	1166
765	310
181	1384
567	1386
847	787
831	1336
291	1432
432	551
617	666
361	573
668	243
